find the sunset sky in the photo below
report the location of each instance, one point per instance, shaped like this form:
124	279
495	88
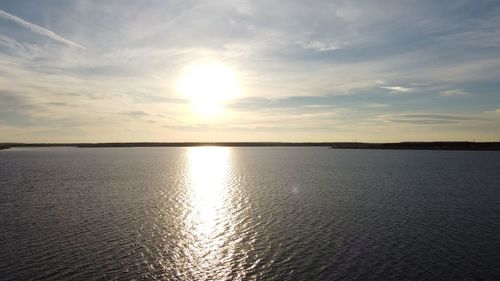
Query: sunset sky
119	71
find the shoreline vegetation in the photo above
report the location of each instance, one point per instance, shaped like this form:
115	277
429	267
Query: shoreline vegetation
439	145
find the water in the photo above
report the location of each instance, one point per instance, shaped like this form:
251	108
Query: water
248	214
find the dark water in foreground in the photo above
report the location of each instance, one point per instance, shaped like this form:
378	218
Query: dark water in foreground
249	214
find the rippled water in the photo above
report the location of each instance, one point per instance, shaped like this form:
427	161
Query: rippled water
215	213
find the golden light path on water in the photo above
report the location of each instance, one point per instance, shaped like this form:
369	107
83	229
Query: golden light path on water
209	222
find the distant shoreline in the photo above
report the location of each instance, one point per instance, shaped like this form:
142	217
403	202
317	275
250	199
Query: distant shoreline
441	145
474	146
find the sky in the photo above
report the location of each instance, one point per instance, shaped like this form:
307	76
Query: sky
374	71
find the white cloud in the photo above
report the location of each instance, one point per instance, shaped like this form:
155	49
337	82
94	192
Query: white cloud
397	89
39	30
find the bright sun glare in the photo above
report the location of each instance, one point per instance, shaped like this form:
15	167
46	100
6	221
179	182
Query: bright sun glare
209	86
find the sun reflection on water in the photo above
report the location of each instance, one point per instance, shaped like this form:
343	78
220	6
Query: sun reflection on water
209	222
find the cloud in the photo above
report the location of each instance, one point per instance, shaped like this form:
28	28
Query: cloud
135	113
451	93
320	46
21	50
494	112
428	118
397	89
377	105
39	30
58	103
354	58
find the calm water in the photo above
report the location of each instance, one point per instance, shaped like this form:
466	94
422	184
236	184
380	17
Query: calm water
249	214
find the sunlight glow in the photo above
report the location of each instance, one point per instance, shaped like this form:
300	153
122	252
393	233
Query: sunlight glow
209	86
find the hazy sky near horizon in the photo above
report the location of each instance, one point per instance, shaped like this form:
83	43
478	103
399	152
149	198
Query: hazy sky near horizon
98	71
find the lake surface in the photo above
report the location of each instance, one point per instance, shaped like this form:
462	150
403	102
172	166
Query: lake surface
217	213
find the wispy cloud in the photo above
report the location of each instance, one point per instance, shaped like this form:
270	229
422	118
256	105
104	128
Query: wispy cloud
39	30
320	46
428	118
377	105
451	93
397	89
355	72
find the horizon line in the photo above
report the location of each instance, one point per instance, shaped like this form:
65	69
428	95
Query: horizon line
431	145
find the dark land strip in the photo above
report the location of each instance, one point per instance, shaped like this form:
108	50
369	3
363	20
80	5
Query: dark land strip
422	145
442	145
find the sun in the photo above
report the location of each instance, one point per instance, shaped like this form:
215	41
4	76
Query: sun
209	86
